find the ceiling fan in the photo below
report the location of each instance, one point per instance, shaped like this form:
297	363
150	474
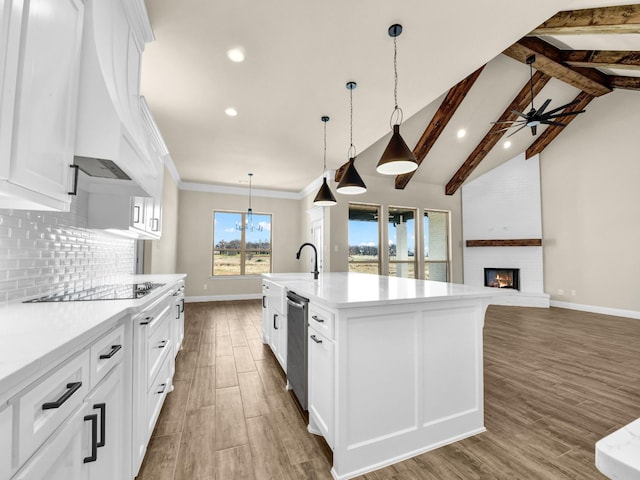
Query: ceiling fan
534	117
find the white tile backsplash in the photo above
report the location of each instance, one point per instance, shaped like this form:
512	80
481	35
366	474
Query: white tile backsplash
47	252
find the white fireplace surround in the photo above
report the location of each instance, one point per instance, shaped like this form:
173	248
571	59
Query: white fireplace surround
504	204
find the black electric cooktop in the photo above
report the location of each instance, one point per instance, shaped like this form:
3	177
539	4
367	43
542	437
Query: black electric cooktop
125	291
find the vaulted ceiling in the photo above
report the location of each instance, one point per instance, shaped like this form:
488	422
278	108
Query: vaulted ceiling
452	76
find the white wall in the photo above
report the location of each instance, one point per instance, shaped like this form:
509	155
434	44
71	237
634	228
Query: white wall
502	204
195	241
591	206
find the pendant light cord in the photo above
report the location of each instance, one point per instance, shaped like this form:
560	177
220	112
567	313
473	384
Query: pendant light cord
324	154
352	148
395	72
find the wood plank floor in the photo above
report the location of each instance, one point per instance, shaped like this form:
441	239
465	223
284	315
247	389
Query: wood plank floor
556	381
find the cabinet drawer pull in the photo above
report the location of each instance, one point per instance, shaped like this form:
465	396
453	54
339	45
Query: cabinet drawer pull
315	339
114	350
71	389
103	417
75	180
275	315
264	298
317	319
146	321
163	343
163	387
182	309
94	438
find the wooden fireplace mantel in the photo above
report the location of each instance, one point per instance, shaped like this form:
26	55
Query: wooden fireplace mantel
512	242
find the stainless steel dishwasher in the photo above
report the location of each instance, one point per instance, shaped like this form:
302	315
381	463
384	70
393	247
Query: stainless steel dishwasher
297	313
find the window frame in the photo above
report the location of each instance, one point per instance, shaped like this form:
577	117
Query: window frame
447	262
364	206
416	236
243	250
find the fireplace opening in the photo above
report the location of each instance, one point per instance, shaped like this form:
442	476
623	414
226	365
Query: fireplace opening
502	278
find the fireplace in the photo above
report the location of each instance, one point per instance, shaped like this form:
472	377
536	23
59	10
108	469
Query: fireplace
502	278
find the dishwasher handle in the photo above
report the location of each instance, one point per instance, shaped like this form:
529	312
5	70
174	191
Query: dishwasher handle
295	304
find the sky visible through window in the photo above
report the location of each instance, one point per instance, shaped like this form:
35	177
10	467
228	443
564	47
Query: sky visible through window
225	228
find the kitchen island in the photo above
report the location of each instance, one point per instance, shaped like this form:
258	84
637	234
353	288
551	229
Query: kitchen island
394	365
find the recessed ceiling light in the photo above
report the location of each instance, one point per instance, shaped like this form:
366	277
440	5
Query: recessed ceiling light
461	133
236	54
506	144
232	112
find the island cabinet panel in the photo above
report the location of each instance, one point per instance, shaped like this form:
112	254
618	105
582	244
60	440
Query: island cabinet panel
321	354
408	380
6	430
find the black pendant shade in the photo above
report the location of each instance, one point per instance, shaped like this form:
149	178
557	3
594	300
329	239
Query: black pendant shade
351	183
324	198
397	157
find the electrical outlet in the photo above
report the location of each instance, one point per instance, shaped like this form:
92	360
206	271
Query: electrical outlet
573	293
560	291
205	286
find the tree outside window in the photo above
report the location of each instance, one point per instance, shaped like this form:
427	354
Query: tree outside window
241	243
436	245
364	238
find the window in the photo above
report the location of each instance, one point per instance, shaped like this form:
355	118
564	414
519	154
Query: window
402	242
436	245
241	245
364	238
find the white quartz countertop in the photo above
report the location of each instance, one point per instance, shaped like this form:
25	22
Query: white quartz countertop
344	290
618	454
32	334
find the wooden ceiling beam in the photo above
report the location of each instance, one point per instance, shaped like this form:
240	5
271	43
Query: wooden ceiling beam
627	83
493	136
601	58
552	131
340	172
549	61
619	19
438	123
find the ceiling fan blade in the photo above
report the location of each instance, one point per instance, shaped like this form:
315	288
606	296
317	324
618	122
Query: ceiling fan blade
544	105
551	112
511	134
534	130
564	114
523	115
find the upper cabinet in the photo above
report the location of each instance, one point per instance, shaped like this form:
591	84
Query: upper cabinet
40	52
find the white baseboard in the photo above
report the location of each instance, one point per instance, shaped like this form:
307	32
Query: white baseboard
222	298
616	312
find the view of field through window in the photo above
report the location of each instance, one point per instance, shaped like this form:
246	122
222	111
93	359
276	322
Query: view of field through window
241	243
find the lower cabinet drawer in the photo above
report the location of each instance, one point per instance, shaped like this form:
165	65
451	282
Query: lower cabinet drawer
157	392
47	403
105	353
159	344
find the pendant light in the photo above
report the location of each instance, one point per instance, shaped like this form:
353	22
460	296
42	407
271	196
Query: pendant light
324	198
351	183
397	157
248	222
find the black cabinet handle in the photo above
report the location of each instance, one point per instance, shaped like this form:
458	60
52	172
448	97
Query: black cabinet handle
164	386
315	339
163	343
103	423
75	180
114	350
263	300
136	214
94	438
275	315
177	311
146	321
71	389
182	309
317	319
155	222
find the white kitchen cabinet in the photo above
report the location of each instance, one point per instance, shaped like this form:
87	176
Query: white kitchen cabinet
178	322
39	69
278	333
62	457
266	329
108	402
321	381
6	432
132	214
